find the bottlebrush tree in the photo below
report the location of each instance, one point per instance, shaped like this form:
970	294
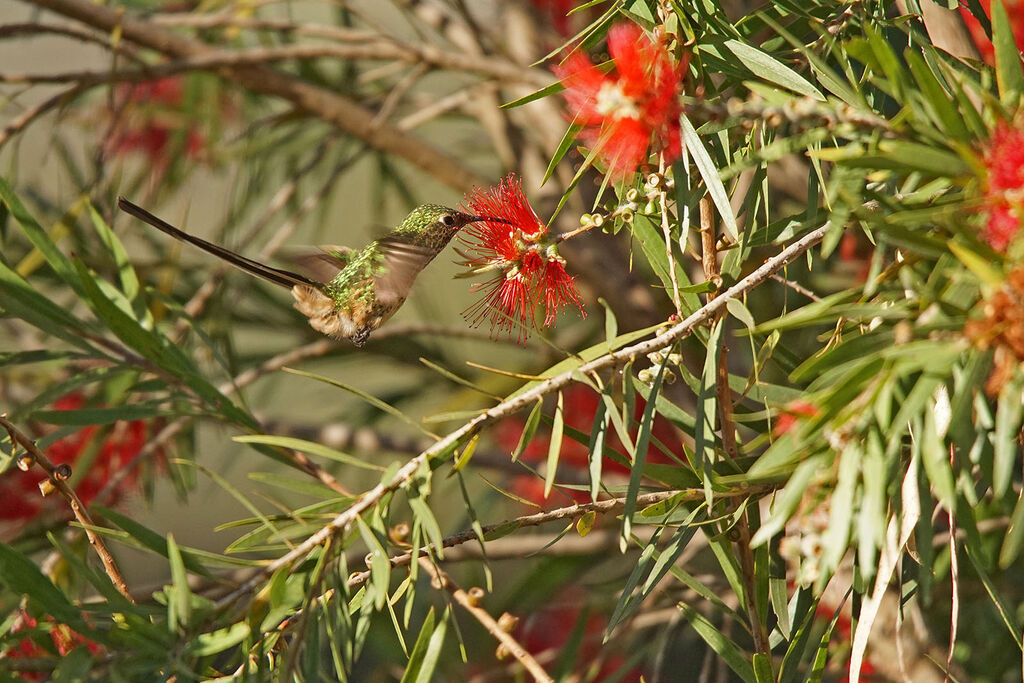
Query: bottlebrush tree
725	385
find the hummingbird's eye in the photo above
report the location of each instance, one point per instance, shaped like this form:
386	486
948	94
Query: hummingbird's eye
448	220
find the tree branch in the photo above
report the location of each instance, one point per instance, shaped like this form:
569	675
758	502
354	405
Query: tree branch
342	112
58	477
442	580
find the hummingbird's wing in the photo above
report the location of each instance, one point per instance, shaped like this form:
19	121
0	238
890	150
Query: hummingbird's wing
324	263
403	262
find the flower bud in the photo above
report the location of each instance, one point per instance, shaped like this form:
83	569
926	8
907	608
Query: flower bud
475	595
25	462
399	532
507	622
645	376
46	487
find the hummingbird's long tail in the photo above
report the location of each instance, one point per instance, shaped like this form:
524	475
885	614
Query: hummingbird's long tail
284	278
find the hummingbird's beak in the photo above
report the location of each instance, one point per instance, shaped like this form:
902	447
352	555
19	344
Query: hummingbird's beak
489	219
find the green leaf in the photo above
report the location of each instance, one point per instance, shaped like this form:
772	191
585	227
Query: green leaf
643	438
102	416
726	648
179	604
788	500
936	462
741	313
21	300
563	147
380	564
529	429
941	102
1006	612
709	172
598	434
652	241
979	265
1014	539
22	577
707	407
1009	414
125	271
535	95
554	445
8	358
772	70
307	447
206	644
426	652
35	233
425	516
149	539
836	538
1009	75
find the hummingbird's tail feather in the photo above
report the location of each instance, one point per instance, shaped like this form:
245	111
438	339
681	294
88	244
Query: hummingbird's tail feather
278	276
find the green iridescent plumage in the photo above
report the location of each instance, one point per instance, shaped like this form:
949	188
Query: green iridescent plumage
348	294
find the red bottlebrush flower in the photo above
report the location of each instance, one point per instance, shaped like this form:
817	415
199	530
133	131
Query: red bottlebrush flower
1004	185
530	271
791	414
151	118
20	498
620	113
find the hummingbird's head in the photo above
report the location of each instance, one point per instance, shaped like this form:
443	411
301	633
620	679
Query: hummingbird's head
433	225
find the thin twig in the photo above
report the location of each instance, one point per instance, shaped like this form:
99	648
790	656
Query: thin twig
527	398
426	56
33	113
58	477
796	287
442	580
68	31
344	113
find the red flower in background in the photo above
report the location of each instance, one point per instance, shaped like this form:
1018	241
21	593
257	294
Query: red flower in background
579	405
151	117
549	629
619	114
1015	10
20	498
530	271
64	638
791	414
1004	185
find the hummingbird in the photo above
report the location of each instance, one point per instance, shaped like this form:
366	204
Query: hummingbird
349	293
